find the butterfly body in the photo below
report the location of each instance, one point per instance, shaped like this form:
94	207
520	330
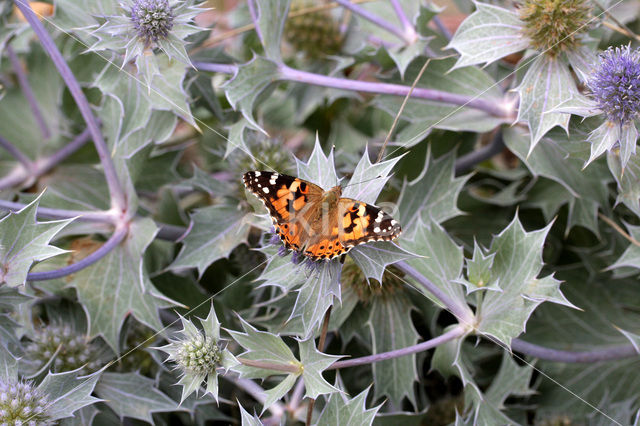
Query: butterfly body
317	223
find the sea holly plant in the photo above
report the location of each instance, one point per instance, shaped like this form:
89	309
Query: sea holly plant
141	279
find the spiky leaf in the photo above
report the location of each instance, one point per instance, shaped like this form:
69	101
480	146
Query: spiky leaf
132	395
23	241
490	33
216	230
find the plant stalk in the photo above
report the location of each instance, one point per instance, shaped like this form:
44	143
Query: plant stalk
116	192
25	86
452	334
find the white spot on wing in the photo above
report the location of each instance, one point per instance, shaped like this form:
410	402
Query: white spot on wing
266	190
376	229
257	174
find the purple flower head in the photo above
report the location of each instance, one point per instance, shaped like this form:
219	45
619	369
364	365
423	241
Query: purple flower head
152	19
615	84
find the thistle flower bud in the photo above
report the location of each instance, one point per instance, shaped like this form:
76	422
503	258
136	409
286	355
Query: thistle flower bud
615	84
314	33
75	350
152	19
199	355
554	26
367	290
22	404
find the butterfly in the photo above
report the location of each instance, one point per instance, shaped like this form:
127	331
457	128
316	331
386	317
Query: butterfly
316	223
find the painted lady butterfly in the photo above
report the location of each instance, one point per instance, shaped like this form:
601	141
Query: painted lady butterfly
318	223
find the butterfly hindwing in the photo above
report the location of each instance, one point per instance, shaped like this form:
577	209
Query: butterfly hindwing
361	222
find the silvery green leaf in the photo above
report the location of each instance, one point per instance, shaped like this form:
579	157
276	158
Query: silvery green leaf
319	168
18	124
373	258
583	212
578	104
403	55
628	138
11	298
368	178
261	346
280	390
314	363
109	298
479	270
78	187
547	196
340	410
490	33
517	263
433	195
425	115
316	295
582	60
167	89
125	108
236	138
204	181
211	325
603	139
633	338
546	84
510	380
271	17
631	256
561	159
8	365
280	271
595	388
391	328
216	230
68	393
132	395
628	180
441	260
72	15
83	416
23	241
248	419
248	83
449	360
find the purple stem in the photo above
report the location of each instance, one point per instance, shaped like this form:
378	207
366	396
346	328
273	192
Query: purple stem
85	216
556	355
470	160
493	107
375	19
407	25
28	93
26	176
16	153
115	239
463	313
57	157
445	32
254	18
221	68
116	192
452	334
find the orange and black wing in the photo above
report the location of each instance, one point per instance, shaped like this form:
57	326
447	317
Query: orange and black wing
285	197
361	222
